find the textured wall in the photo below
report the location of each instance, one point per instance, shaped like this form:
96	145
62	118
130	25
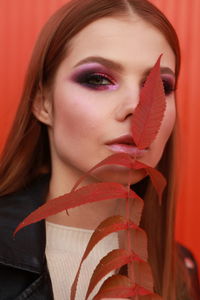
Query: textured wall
184	14
20	21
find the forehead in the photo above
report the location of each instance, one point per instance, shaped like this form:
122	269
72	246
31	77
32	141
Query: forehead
129	40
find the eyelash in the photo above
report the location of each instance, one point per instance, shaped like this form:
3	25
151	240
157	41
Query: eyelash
168	86
86	80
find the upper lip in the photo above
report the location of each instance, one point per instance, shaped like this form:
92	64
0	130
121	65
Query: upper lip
123	139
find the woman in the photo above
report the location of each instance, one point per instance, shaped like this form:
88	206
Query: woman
82	86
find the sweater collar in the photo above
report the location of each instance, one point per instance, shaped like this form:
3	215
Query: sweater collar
27	250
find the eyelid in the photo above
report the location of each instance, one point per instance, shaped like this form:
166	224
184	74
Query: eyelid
104	75
164	77
92	68
86	78
169	84
169	78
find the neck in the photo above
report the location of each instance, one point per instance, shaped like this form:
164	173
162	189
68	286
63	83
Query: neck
87	216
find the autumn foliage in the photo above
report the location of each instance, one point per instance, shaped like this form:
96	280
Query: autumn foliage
146	122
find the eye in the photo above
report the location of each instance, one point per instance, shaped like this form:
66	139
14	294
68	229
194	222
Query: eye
96	81
168	85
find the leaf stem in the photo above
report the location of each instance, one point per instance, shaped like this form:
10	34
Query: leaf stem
129	248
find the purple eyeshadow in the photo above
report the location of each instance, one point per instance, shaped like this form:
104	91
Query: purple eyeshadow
168	83
93	75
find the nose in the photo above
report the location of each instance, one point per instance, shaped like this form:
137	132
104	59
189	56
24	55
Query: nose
128	101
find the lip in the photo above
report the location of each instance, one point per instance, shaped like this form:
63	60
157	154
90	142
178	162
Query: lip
125	144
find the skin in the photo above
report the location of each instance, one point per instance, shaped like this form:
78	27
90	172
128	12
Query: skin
82	120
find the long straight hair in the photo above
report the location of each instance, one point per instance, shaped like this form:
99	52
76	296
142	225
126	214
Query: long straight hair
26	153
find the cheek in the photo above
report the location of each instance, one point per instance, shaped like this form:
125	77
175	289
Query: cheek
76	118
166	129
168	122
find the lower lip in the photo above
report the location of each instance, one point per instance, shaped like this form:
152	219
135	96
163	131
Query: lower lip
131	150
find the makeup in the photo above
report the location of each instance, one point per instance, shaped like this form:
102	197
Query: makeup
168	83
94	76
129	149
86	118
125	144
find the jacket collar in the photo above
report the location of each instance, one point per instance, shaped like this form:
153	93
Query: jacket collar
27	250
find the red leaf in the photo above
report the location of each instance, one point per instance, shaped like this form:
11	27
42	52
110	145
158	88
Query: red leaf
87	194
122	159
136	208
120	286
158	180
143	275
110	225
112	261
149	113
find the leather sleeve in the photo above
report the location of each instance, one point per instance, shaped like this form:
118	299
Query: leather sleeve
192	268
14	281
17	284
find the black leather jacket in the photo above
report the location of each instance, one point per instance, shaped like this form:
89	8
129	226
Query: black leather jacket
23	267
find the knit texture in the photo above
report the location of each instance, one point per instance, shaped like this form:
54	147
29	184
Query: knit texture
64	249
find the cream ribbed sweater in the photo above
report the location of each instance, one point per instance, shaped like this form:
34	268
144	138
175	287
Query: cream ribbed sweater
64	250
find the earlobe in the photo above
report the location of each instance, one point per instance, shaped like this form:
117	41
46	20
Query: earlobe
42	109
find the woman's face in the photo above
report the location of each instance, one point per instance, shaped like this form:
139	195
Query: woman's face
96	90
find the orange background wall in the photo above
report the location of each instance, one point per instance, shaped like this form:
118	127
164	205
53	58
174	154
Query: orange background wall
20	22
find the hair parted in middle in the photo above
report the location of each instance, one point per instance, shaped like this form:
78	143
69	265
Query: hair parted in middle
25	157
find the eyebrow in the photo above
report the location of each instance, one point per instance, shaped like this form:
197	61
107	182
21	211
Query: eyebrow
103	61
163	70
116	66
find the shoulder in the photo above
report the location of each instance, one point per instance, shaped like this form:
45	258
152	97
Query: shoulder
14	208
35	188
188	258
22	261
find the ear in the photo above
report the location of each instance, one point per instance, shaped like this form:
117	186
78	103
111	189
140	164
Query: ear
42	109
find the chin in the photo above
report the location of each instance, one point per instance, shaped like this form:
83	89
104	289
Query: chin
118	174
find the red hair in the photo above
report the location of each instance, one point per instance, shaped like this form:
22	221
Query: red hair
24	155
27	153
